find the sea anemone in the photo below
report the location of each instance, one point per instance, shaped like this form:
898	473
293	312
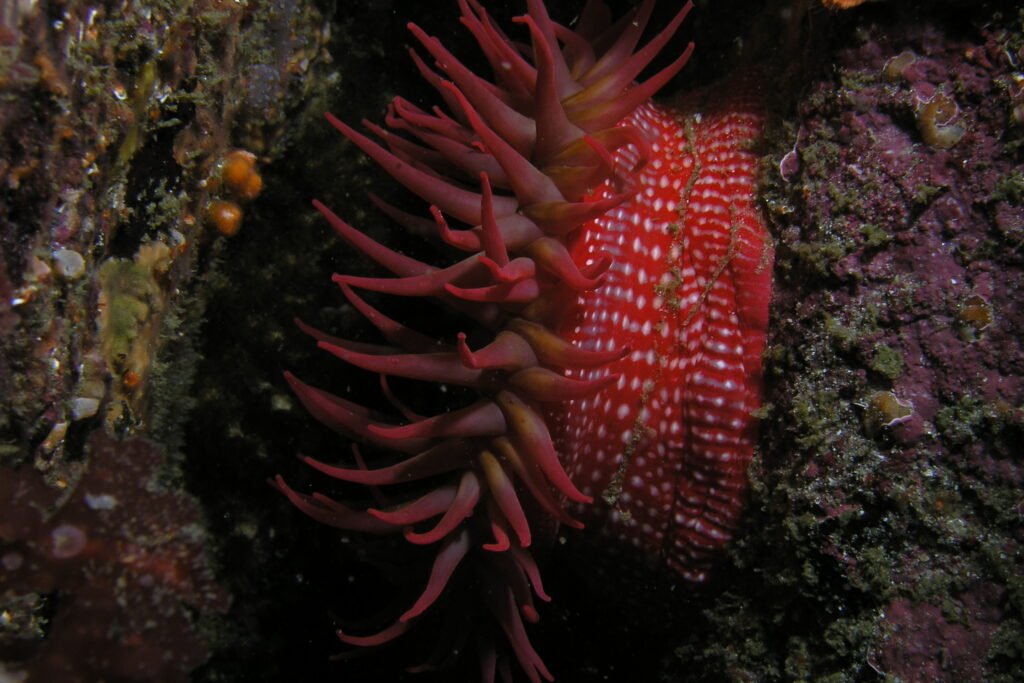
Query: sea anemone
534	167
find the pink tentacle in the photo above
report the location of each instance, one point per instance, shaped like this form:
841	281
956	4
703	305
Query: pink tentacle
447	561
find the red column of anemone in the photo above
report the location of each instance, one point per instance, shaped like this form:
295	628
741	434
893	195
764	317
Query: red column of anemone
666	448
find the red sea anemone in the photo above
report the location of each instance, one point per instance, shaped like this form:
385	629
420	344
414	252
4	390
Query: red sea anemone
621	272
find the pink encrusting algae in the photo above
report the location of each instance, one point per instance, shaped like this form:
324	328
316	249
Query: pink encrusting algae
617	260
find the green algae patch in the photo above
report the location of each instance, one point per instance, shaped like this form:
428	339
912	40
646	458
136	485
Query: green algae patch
887	362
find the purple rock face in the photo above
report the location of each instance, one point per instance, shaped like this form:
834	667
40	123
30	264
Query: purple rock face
919	631
914	234
887	519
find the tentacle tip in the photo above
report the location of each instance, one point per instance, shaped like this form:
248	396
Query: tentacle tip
498	547
465	353
419	539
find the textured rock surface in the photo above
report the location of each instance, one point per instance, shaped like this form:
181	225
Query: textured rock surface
115	119
101	574
885	535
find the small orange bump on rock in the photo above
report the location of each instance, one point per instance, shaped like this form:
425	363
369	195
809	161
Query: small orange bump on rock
225	216
240	175
131	380
253	187
237	167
